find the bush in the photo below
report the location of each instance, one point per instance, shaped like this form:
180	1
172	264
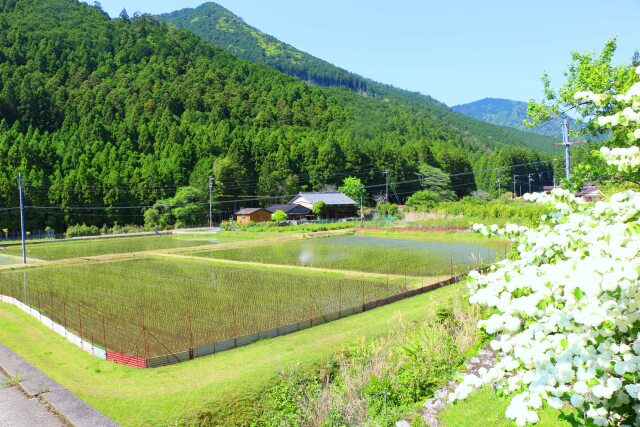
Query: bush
388	209
82	230
376	381
423	200
279	216
514	211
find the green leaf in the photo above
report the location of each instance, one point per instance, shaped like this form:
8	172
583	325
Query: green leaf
577	292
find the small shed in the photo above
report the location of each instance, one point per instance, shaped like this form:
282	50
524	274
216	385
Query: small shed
252	214
294	212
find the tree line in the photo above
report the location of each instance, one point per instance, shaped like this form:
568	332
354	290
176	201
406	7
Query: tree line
116	113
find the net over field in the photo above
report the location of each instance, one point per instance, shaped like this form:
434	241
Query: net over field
156	306
368	254
56	250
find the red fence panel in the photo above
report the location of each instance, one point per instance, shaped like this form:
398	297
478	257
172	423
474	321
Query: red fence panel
126	359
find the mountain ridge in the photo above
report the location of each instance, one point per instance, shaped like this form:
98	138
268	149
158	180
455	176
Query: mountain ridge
248	42
511	113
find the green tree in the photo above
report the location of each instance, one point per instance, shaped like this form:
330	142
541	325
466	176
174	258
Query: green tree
151	218
353	188
188	207
279	216
435	181
319	208
588	72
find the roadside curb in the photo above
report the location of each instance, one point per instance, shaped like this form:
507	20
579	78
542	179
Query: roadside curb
36	384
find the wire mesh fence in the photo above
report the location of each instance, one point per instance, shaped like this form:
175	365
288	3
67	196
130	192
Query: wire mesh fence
153	311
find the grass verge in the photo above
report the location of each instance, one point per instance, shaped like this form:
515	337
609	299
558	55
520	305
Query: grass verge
224	385
483	408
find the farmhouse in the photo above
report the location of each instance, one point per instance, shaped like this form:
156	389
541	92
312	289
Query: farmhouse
590	192
338	204
252	214
294	212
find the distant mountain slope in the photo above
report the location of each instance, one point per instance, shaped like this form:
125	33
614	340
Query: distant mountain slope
221	27
506	112
117	114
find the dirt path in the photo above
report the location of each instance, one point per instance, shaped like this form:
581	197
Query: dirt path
349	273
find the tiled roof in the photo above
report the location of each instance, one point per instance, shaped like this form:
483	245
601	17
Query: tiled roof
330	198
249	211
289	208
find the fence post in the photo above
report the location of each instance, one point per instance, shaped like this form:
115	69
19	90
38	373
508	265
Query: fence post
80	319
64	315
104	335
144	338
450	265
190	337
39	307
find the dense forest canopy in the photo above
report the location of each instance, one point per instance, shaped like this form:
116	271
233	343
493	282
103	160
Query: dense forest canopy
222	28
102	115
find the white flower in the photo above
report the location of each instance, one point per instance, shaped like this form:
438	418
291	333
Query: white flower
577	401
562	313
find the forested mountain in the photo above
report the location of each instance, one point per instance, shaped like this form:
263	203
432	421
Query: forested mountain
506	112
104	117
221	27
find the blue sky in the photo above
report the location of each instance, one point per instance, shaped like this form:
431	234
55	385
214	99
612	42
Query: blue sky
455	51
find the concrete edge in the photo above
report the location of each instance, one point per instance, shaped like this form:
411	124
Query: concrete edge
36	384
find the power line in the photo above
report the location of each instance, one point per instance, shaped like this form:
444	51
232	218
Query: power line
264	198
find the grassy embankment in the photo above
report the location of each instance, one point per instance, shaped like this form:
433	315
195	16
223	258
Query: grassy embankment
226	383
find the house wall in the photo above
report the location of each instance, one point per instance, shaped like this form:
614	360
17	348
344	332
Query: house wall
258	216
337	212
302	202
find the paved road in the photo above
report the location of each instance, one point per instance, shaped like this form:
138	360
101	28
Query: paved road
20	409
17	410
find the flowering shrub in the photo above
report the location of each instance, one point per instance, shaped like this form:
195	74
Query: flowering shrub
565	315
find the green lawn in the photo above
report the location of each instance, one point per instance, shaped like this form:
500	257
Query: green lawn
224	384
482	409
365	253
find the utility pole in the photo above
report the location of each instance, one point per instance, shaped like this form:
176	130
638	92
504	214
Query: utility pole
514	187
499	187
361	209
24	246
386	186
567	147
210	200
530	181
